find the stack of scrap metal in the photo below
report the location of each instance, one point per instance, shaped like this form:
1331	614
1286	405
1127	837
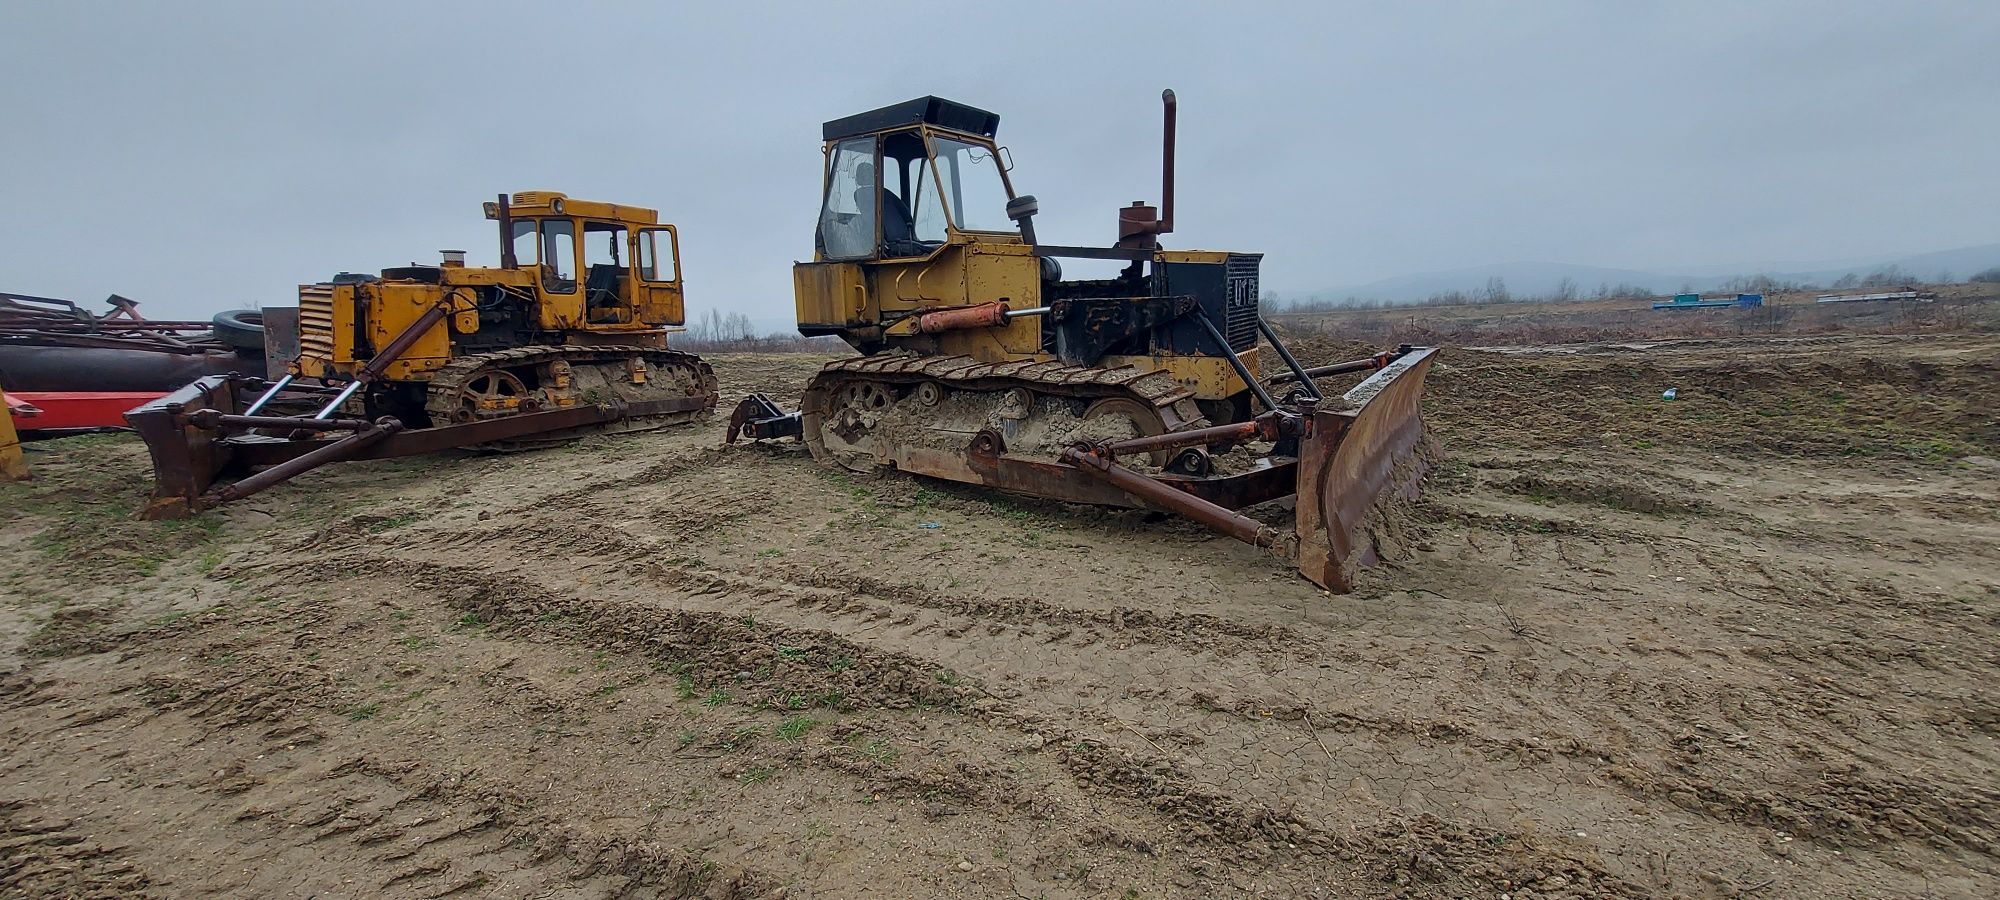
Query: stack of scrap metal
48	322
50	345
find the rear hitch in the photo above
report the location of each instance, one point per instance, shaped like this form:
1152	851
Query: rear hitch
758	419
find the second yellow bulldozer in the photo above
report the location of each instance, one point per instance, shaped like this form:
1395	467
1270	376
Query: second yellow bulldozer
983	364
567	336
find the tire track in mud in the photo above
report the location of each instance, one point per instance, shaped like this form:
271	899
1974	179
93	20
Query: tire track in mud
1242	831
839	591
43	855
823	590
1192	632
1840	799
419	832
857	596
1840	806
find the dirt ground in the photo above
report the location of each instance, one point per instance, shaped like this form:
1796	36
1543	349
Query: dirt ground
1740	643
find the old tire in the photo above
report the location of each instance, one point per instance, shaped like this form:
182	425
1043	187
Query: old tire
241	329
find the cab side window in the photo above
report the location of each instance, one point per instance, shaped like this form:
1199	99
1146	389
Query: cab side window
656	256
524	242
558	256
847	219
926	212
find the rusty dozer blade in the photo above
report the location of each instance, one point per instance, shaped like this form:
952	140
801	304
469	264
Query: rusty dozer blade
1354	463
196	434
186	458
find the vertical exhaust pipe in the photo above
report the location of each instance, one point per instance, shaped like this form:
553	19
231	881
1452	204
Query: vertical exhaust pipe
1140	225
507	260
1167	166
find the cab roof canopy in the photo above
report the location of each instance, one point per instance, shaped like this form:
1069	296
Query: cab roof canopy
928	110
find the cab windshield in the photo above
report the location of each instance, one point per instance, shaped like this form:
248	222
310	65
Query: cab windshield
974	190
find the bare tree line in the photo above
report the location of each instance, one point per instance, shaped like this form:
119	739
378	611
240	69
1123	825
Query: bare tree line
717	331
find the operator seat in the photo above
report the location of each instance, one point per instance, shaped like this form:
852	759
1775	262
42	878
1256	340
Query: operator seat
898	234
600	290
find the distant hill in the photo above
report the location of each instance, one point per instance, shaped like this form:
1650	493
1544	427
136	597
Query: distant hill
1543	278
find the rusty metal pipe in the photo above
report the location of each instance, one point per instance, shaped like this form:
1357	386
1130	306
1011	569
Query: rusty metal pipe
345	448
211	419
1167	165
1378	361
985	315
1221	520
1268	426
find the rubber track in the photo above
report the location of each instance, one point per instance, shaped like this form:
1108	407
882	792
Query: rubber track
1173	402
442	397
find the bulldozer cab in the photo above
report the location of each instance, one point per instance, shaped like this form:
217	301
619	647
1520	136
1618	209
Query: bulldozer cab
595	266
904	180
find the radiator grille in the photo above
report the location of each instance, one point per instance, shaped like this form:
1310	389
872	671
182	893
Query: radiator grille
316	321
1240	299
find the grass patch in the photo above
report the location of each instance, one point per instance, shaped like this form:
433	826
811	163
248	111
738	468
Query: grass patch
846	483
880	751
387	523
796	727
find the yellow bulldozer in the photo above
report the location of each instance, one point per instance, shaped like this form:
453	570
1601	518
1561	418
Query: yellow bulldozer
568	336
981	363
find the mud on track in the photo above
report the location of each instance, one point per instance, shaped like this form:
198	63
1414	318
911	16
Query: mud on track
1740	644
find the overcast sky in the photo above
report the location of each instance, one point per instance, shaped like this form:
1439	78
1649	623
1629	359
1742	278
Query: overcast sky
202	155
